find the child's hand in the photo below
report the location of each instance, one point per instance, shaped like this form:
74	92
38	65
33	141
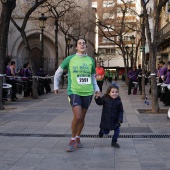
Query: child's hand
97	94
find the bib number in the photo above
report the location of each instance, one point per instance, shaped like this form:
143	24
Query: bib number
83	80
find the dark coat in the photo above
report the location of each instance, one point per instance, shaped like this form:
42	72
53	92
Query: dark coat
112	112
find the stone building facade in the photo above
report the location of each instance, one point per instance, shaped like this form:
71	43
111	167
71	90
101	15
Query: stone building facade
18	52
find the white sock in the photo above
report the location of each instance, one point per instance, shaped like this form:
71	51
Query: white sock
77	136
73	138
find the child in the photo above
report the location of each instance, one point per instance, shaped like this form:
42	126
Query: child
112	113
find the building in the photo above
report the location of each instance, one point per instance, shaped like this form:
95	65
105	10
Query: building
163	45
17	50
109	35
164	35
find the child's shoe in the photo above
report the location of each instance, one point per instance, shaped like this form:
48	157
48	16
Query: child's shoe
116	145
100	133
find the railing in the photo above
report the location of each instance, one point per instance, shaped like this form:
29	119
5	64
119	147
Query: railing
164	33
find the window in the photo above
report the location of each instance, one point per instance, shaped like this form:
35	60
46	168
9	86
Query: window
110	51
94	4
108	4
126	1
119	12
109	28
106	40
130	12
126	38
108	16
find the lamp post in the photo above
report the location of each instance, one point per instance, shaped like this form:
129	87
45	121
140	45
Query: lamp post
68	39
42	23
132	38
127	60
109	58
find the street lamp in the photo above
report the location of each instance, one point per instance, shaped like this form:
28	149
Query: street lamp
132	38
42	23
68	39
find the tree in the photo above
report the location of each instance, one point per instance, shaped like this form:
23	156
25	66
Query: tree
57	11
7	8
32	6
115	30
152	41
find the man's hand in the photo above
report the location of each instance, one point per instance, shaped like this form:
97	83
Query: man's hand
56	91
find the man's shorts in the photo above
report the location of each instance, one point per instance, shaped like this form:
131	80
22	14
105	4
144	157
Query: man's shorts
83	101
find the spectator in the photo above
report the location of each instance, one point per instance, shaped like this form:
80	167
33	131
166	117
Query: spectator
132	75
10	79
100	76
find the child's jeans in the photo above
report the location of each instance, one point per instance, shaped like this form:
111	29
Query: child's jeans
115	135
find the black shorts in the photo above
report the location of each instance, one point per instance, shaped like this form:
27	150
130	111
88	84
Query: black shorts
83	101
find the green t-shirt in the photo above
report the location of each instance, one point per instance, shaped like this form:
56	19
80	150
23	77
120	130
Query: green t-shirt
79	74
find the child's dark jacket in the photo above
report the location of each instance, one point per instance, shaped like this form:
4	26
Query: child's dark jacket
112	112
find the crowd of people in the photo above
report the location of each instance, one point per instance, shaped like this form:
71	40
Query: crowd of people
21	81
163	75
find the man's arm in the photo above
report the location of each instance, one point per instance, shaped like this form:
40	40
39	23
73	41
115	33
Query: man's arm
96	87
57	77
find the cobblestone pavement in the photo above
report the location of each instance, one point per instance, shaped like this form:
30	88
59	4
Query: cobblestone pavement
35	133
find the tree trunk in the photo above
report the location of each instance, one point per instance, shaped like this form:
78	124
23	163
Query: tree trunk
7	8
30	59
155	104
143	58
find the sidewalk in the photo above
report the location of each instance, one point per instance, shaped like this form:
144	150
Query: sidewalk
35	132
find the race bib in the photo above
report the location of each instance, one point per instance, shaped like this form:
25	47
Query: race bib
83	79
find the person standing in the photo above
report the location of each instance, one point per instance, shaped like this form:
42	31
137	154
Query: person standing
166	77
112	113
140	78
100	75
26	77
132	75
81	86
11	74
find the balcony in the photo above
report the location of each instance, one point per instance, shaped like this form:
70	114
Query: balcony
164	34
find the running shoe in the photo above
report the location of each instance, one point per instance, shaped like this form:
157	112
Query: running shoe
78	143
70	147
116	145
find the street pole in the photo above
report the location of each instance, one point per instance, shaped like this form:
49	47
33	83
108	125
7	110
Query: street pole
68	53
42	23
56	43
132	58
42	47
143	56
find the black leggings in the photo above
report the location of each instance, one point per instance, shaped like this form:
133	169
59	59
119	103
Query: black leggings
100	84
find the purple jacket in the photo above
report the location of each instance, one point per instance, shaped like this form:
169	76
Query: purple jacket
133	75
167	77
162	71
